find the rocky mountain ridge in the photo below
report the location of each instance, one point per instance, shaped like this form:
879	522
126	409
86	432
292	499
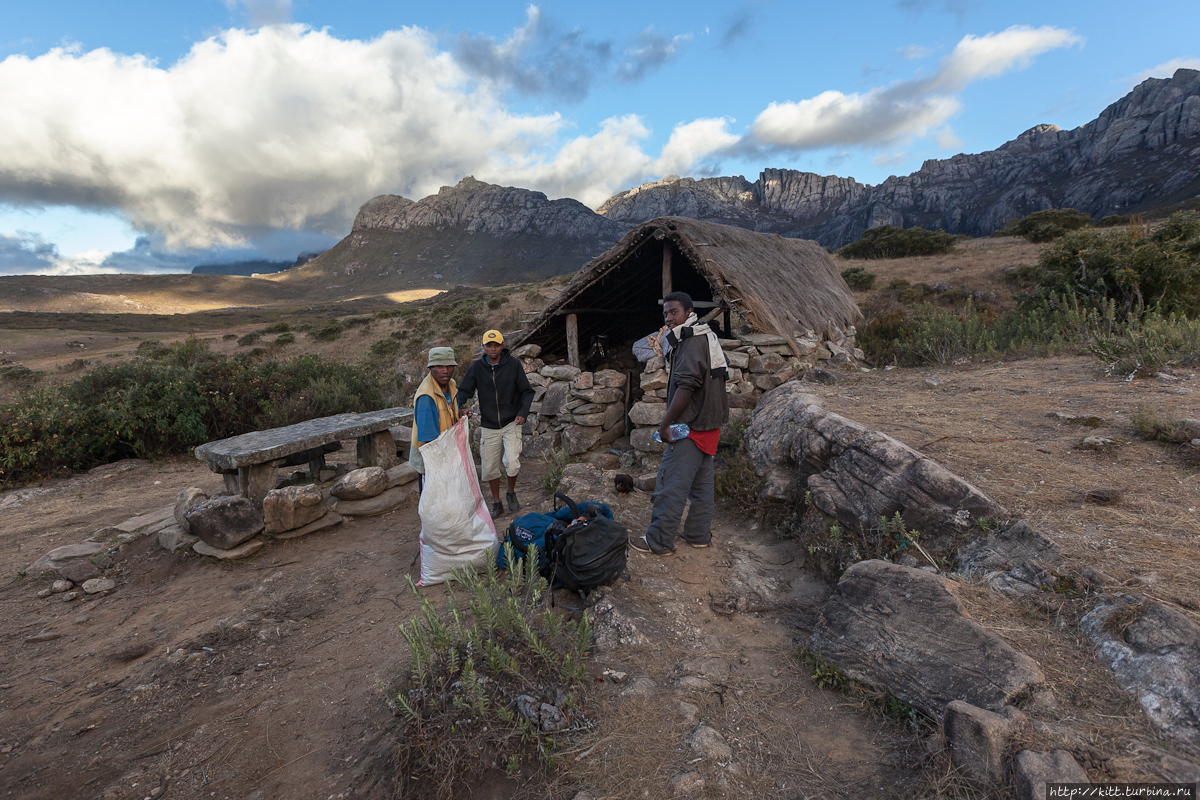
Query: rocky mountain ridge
1141	152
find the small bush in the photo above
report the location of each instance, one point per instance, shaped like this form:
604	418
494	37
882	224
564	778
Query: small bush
250	339
284	338
354	322
229	337
1115	220
152	347
327	331
76	365
1156	426
858	278
1047	225
466	323
887	241
496	302
19	374
499	646
277	327
1143	347
555	461
386	348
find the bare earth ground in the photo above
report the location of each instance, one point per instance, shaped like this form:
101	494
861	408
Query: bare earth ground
278	691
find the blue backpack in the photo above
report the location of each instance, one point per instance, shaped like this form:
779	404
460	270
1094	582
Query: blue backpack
541	530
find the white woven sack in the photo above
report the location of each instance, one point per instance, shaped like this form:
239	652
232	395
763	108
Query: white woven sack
456	527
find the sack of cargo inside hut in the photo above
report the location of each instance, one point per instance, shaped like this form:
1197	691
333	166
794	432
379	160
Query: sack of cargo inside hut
779	305
456	528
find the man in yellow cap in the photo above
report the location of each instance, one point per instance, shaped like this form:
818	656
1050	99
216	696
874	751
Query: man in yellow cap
504	399
435	407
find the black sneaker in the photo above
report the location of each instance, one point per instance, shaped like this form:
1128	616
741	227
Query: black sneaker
514	505
497	509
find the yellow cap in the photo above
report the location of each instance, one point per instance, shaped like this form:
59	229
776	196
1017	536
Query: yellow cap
493	336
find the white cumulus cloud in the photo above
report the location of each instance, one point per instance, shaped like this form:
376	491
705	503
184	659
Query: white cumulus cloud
1165	69
906	109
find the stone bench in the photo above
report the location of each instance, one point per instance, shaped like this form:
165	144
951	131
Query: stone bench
249	461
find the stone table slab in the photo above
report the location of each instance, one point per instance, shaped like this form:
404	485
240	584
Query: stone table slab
260	447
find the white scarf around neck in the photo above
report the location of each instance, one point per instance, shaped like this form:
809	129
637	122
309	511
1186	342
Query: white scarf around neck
716	356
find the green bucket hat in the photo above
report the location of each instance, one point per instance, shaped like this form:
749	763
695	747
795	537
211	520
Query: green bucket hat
442	357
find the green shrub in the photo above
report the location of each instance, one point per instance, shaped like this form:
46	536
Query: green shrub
466	323
496	302
468	670
19	374
1143	347
227	337
1047	225
1136	270
386	348
168	402
250	339
278	327
858	278
327	331
152	347
354	322
890	242
1156	426
284	338
1115	220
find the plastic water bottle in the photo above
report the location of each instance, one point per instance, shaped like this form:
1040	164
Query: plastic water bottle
678	431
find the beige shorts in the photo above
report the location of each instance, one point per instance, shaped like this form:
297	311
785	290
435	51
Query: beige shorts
494	443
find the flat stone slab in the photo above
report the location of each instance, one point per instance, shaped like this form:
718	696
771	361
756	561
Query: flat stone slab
155	517
331	519
241	551
69	551
260	447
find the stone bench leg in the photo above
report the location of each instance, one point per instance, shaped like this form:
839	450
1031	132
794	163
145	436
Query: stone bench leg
377	450
252	482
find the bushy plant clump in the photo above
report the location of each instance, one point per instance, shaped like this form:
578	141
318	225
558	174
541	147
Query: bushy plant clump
1139	271
167	400
887	241
858	278
498	645
1047	225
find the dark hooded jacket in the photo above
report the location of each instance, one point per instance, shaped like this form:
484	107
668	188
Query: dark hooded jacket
504	391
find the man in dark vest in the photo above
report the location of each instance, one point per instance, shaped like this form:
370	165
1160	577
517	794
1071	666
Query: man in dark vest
696	397
504	399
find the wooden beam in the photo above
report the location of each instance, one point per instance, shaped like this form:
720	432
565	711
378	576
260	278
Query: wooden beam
728	324
563	312
703	304
666	278
573	341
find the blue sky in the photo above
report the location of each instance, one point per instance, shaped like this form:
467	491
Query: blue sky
142	137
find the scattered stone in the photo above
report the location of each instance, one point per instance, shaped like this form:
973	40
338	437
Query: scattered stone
690	683
546	717
560	372
58	587
225	522
712	667
185	501
232	554
687	784
99	585
611	629
294	507
978	739
44	593
360	484
820	375
902	630
44	636
932	382
1032	771
648	413
603	461
382	503
78	571
646	482
175	538
616	676
688	710
59	557
69	596
326	522
578	439
1154	652
639	687
709	743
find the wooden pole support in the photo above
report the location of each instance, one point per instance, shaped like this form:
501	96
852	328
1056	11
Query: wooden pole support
666	280
573	340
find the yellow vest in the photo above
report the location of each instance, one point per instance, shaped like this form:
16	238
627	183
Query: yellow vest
447	416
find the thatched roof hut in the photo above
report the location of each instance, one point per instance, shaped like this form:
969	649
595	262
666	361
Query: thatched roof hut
777	285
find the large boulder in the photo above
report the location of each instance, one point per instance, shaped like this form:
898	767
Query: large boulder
648	413
902	630
1033	770
555	398
1154	651
185	501
292	507
225	522
560	372
360	484
541	446
855	474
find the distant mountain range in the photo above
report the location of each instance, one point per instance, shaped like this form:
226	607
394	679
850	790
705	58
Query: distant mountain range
1142	154
248	268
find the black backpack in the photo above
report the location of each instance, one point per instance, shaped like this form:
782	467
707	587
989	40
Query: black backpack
589	552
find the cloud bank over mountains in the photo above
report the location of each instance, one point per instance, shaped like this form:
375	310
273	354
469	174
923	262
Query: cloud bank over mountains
288	128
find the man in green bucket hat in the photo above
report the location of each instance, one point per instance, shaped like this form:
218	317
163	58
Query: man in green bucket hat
435	406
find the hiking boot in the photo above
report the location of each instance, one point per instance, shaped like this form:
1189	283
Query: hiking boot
497	509
514	505
640	543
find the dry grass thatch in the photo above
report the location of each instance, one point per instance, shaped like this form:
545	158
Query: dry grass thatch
777	285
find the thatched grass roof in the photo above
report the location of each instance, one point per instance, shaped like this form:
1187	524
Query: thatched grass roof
777	285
